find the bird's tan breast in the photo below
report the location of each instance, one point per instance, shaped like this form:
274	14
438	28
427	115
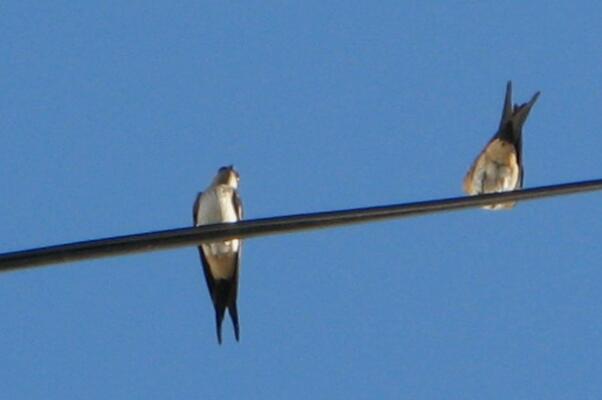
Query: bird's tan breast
495	170
501	152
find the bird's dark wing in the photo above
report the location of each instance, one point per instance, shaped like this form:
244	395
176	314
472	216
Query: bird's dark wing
513	119
519	117
507	108
237	202
218	291
232	308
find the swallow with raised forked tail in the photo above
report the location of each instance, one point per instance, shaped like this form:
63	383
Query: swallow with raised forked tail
220	203
499	167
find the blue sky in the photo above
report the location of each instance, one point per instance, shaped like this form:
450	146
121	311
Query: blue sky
114	114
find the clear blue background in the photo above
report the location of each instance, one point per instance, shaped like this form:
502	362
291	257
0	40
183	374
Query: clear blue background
114	114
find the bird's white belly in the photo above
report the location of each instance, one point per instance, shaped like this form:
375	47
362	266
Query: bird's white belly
218	249
217	207
223	265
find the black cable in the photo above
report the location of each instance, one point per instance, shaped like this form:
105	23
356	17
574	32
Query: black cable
173	238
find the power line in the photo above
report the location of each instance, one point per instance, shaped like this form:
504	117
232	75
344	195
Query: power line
160	240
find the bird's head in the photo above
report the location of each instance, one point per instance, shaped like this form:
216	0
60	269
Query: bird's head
227	176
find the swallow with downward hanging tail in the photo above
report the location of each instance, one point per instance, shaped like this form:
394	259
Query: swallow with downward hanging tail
499	167
220	203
